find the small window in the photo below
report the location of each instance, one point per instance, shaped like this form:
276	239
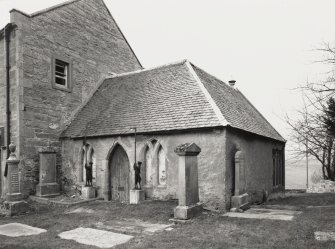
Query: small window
61	74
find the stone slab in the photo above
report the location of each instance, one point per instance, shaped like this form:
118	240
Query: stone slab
95	237
270	214
18	229
88	192
187	212
133	226
136	196
324	236
81	210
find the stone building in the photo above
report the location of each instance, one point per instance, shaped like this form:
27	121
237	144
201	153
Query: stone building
76	86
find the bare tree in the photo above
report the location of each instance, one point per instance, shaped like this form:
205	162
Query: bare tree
314	130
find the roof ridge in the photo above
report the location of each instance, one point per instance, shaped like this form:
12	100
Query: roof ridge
180	62
209	98
209	74
259	113
53	7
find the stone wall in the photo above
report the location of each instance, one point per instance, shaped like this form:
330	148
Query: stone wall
258	163
324	186
210	162
83	32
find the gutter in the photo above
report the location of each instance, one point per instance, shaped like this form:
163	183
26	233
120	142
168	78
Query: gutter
7	31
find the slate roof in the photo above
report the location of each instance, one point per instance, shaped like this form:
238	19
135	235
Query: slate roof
236	108
177	96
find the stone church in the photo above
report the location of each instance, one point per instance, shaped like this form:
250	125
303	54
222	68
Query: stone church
70	83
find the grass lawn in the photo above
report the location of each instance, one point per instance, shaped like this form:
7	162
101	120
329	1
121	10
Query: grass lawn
210	230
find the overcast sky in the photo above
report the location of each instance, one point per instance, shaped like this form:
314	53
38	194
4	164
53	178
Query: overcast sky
267	46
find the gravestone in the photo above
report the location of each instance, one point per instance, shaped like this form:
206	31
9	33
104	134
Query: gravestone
47	186
188	190
14	200
240	200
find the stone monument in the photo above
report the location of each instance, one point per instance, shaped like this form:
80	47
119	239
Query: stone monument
47	187
188	190
14	201
88	191
239	201
137	194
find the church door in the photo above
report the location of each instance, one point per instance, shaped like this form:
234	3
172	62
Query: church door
119	168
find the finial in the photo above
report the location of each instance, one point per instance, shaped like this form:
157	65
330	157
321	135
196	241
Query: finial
12	149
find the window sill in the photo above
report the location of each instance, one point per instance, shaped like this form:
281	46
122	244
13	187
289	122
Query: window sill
65	89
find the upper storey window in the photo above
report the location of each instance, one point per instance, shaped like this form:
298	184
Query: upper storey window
61	76
61	73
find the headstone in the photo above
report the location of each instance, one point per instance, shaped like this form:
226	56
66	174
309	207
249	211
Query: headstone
47	186
240	200
14	200
136	196
188	190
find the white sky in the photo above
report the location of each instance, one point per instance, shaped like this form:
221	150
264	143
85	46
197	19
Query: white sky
266	45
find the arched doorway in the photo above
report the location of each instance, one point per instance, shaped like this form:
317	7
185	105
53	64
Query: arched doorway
119	174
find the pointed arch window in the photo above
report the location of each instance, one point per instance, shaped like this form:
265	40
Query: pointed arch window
161	166
155	164
148	166
88	156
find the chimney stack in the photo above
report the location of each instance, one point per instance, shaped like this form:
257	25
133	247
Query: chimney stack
232	83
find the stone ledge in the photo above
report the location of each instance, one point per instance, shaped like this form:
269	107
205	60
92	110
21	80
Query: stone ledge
17	208
44	200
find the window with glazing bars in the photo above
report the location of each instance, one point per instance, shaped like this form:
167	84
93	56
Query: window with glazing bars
61	73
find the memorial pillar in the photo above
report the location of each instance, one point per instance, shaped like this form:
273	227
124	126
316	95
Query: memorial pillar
13	193
14	200
188	189
239	201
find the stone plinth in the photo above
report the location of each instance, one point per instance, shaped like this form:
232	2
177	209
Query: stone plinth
136	196
188	190
16	207
187	212
47	185
47	189
88	192
240	202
